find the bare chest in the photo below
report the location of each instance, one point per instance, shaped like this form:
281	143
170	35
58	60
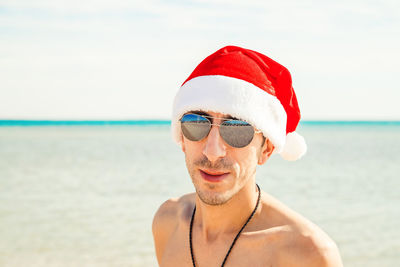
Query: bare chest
249	250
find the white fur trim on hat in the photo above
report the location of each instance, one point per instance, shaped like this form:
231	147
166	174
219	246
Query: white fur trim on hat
295	147
235	97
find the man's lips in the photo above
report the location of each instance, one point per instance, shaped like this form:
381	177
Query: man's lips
213	176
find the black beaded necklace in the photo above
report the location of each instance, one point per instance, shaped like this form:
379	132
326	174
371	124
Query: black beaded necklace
234	240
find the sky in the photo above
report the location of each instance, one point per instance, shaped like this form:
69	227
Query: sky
126	59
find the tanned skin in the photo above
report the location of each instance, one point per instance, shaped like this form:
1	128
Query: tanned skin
275	236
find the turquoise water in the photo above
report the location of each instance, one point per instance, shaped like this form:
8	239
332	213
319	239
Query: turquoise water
167	122
86	123
85	195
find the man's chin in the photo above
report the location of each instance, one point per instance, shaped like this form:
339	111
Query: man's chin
213	198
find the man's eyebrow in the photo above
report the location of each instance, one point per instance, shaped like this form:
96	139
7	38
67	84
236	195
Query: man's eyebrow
229	117
226	117
200	113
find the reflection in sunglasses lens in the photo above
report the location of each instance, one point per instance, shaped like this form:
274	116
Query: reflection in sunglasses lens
237	133
195	127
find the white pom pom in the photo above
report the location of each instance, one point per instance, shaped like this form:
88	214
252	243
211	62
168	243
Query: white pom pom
295	147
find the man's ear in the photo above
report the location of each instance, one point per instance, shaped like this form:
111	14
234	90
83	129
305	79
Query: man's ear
266	151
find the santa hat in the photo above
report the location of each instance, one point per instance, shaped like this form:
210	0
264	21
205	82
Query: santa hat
247	85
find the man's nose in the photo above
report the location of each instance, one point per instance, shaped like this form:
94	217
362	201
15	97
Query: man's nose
214	147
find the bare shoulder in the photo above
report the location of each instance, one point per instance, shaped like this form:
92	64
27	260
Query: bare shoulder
302	243
310	246
168	218
173	209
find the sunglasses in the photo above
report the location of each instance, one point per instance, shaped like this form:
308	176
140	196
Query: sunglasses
236	133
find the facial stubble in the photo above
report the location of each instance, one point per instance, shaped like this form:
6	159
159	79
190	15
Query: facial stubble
209	196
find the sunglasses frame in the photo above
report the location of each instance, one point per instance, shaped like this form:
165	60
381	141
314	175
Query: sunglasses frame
256	131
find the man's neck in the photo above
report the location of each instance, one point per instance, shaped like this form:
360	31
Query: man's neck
228	218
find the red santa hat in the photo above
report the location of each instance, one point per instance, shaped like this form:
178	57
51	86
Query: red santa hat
247	85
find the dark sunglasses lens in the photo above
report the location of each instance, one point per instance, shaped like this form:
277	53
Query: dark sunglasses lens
195	127
237	133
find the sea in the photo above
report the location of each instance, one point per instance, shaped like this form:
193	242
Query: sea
84	194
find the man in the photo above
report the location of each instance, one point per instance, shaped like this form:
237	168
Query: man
235	110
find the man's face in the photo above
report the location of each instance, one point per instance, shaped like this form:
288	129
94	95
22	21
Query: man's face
219	171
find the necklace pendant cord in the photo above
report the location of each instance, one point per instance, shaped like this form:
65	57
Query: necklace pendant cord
234	240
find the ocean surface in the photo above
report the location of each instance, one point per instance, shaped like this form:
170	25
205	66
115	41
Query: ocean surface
84	195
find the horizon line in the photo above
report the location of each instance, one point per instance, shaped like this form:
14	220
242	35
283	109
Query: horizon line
159	122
